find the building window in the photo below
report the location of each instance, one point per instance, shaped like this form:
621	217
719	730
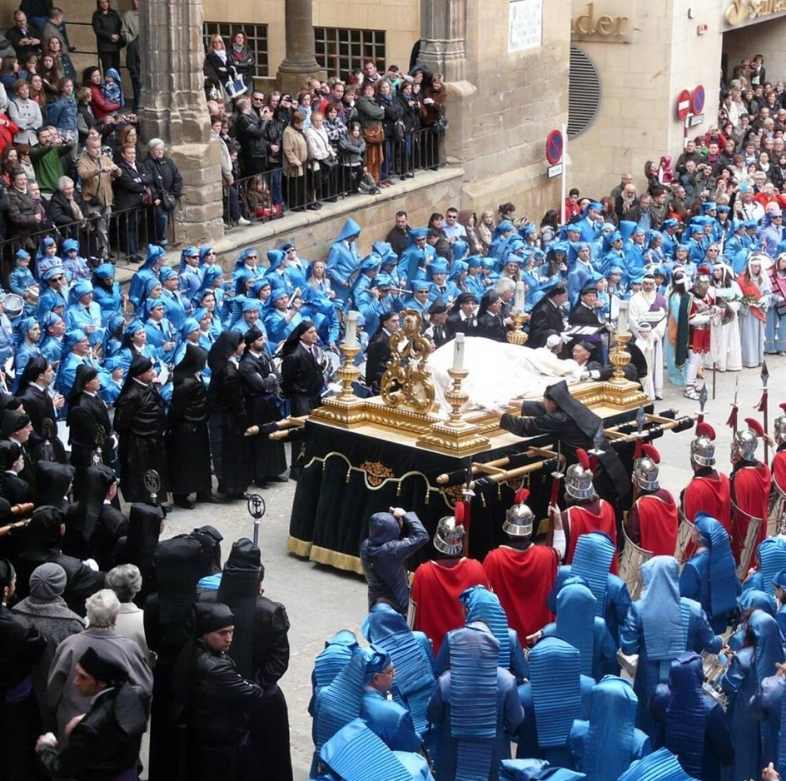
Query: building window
341	52
583	92
256	40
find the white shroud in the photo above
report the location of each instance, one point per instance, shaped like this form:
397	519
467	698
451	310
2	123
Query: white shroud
499	372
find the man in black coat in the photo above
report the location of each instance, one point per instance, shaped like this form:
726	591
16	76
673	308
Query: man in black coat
398	237
213	700
250	132
188	441
38	375
260	648
491	323
105	741
547	315
167	187
23	37
585	313
267	458
302	378
462	317
140	422
378	352
89	427
21	647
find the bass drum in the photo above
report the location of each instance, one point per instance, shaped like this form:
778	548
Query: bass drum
685	546
631	561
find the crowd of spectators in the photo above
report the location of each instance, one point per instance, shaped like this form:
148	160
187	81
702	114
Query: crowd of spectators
333	138
71	163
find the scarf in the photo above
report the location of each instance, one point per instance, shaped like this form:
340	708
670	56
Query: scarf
751	291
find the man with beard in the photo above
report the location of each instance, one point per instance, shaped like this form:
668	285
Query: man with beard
140	422
266	457
260	649
189	442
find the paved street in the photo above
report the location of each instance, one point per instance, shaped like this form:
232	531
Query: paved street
320	600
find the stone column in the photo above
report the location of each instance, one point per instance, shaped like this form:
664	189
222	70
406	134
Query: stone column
443	25
300	62
174	108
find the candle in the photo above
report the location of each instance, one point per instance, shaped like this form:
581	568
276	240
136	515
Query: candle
622	318
518	298
350	335
458	352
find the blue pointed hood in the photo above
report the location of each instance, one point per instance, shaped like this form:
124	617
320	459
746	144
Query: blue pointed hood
660	608
484	605
355	753
335	656
769	648
661	765
592	559
686	712
555	679
772	559
576	621
723	574
610	741
349	230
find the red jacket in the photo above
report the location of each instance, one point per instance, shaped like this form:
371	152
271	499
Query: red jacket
101	106
7	132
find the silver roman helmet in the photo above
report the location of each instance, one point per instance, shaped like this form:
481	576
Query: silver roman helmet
779	425
745	442
519	519
578	478
702	448
645	469
449	536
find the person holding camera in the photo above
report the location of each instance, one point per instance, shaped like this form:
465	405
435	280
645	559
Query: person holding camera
97	172
393	537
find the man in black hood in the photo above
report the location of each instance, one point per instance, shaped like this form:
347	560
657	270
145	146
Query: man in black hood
140	422
260	649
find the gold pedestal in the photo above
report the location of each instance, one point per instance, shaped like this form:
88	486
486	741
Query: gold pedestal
620	358
346	409
456	437
517	335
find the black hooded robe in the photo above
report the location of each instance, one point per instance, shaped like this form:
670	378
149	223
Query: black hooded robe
188	441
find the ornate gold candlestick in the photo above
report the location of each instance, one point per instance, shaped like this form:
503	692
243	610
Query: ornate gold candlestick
517	336
456	397
348	372
620	357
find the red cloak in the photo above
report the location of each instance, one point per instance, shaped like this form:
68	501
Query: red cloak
598	516
658	523
779	471
523	579
750	493
708	494
435	591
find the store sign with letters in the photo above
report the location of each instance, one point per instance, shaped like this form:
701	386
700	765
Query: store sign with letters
611	23
744	11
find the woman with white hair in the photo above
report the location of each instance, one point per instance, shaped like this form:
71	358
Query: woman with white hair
101	634
167	188
126	581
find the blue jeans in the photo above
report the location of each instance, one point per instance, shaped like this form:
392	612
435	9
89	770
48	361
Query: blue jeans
276	189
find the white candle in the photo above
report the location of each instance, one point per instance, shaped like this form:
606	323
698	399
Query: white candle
350	335
622	317
458	352
518	297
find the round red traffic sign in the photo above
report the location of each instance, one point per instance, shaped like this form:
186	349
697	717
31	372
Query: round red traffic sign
683	104
697	100
554	146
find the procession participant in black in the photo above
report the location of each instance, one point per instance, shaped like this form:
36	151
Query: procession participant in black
212	700
89	427
105	741
260	648
576	426
461	318
94	526
266	457
13	487
378	352
40	407
140	422
228	419
547	315
188	442
21	646
302	378
169	623
15	426
43	543
54	484
491	323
